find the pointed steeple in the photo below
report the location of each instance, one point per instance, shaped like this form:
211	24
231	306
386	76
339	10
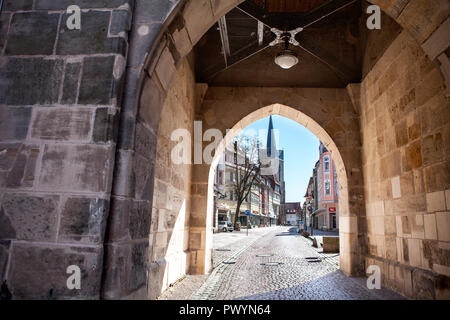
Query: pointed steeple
271	143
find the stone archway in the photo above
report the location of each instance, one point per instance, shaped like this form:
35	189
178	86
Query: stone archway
154	61
348	223
308	107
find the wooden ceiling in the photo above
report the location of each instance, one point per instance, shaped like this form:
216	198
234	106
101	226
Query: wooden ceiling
298	6
236	51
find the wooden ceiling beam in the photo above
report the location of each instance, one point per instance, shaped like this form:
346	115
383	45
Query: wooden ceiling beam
240	55
327	9
287	20
260	33
224	38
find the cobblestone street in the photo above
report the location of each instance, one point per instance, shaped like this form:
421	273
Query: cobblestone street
273	264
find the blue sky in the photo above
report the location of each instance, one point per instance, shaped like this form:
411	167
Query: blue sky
301	152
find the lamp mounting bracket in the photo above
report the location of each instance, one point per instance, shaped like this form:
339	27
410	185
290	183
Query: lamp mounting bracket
285	36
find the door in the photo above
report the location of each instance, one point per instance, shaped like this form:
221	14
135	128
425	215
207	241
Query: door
333	221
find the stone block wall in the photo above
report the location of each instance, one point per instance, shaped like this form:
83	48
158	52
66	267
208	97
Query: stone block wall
60	94
150	67
405	128
169	233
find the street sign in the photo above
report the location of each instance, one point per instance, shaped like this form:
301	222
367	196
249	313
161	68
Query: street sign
247	212
332	209
301	223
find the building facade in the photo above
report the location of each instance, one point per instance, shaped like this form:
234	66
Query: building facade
293	211
309	205
321	206
265	201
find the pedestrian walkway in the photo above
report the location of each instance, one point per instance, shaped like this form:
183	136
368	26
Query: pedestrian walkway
226	247
280	267
226	253
226	244
278	264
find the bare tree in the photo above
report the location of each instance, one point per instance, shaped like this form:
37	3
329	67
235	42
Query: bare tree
247	169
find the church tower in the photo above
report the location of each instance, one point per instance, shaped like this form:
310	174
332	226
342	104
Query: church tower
273	152
271	141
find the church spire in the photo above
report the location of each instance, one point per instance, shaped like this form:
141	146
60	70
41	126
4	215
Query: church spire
271	143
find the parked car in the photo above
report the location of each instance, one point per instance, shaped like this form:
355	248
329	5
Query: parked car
225	226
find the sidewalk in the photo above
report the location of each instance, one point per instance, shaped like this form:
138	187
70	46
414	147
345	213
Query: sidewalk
332	258
321	233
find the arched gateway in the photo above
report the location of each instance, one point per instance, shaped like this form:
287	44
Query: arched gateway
238	108
80	145
350	248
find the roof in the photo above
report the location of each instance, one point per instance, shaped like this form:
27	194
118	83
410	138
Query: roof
292	206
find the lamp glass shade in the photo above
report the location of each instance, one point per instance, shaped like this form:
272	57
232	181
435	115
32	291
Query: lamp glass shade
286	59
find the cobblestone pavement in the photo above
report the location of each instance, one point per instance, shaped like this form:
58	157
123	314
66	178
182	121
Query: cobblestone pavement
225	245
271	264
183	289
275	267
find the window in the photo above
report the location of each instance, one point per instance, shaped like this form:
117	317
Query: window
326	164
335	187
231	195
327	188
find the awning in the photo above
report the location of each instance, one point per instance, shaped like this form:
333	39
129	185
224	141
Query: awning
222	207
319	211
